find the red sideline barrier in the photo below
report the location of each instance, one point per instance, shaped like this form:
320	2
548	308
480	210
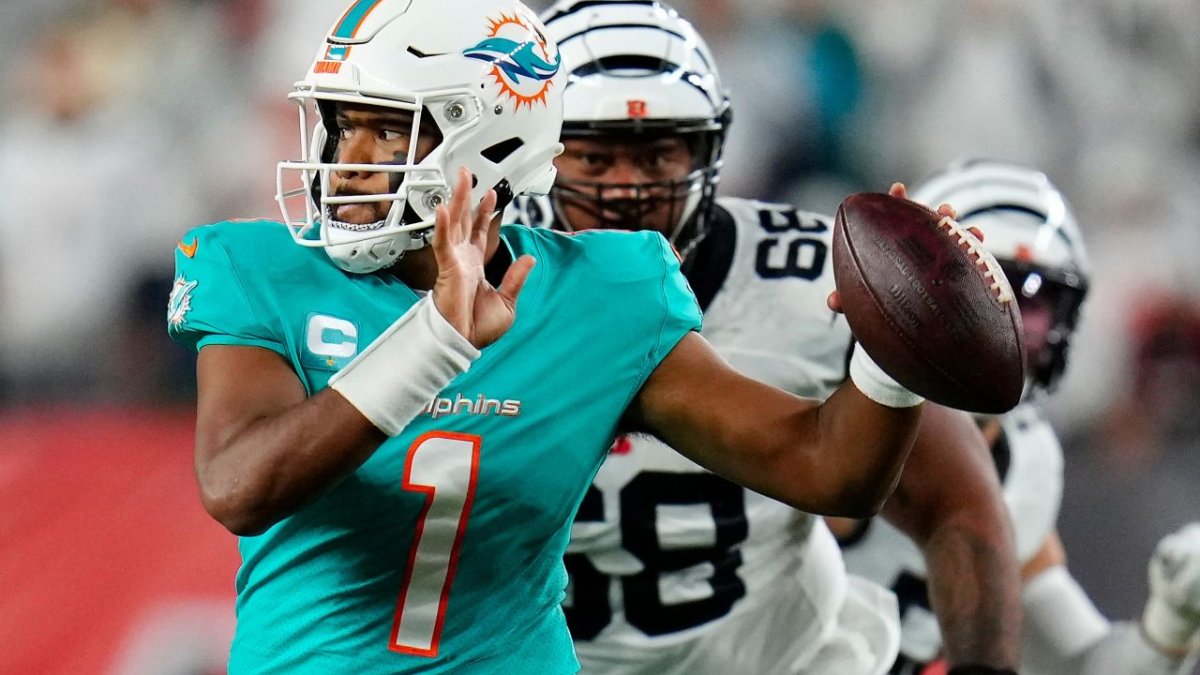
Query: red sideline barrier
108	562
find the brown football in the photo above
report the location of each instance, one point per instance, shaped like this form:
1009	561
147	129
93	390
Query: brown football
928	303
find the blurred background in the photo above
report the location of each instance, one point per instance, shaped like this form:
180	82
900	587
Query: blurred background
125	122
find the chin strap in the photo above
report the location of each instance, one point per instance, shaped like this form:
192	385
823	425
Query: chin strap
363	256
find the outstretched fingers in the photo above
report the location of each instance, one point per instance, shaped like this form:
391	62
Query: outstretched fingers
442	234
514	279
483	220
454	222
460	205
449	226
899	191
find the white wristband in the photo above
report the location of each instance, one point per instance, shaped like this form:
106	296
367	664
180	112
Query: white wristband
878	385
396	376
1061	615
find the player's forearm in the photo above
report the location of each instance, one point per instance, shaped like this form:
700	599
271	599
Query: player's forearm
949	503
272	467
838	458
863	447
974	591
841	458
257	468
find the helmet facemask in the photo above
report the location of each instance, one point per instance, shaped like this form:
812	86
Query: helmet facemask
1060	295
679	208
639	73
416	185
489	82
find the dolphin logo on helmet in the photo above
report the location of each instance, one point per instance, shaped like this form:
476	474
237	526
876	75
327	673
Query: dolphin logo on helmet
515	59
512	47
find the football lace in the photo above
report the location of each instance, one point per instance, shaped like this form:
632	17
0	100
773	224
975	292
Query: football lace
983	260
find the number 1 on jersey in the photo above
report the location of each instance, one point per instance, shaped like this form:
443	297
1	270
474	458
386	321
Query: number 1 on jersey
444	467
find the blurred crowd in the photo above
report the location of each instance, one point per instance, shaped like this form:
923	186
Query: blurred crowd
125	122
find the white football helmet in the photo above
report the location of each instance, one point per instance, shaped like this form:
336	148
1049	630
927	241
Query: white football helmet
1031	230
483	70
637	67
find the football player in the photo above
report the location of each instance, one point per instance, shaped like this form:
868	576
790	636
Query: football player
674	569
1032	232
400	447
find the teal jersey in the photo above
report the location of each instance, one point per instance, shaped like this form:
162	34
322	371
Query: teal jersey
443	551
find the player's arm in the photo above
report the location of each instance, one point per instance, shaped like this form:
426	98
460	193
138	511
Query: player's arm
948	501
840	457
1065	634
263	447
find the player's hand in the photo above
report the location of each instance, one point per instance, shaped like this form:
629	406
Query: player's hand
898	190
834	301
1172	616
476	309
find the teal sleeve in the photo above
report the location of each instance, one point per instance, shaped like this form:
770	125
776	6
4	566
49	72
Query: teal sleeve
681	310
209	302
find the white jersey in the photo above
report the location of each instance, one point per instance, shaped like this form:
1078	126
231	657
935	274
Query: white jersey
675	570
1030	462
